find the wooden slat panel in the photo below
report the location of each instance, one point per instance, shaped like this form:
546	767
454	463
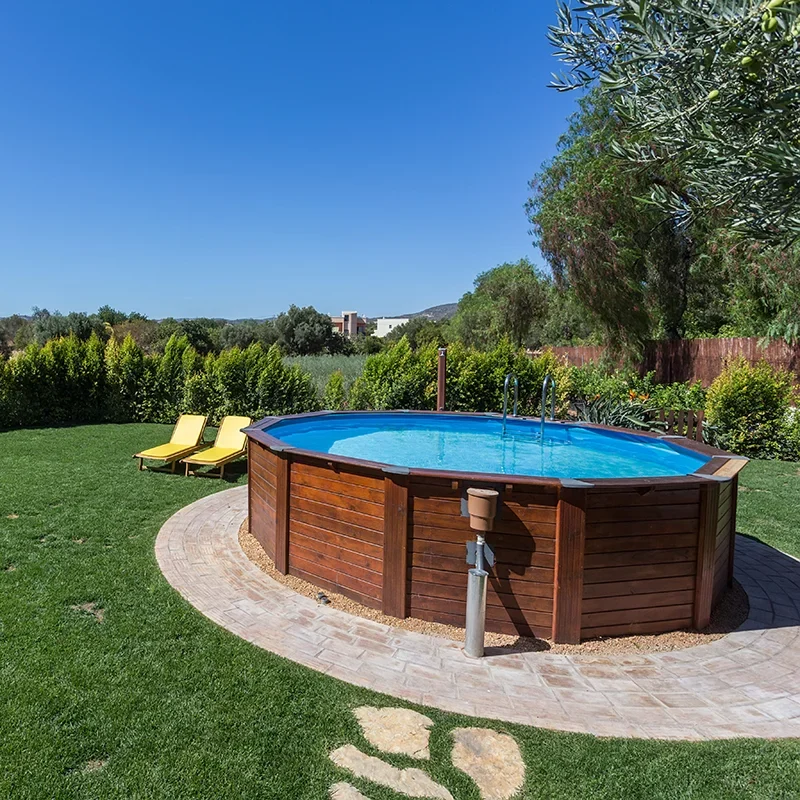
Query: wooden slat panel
499	541
457	608
314	562
457	581
338	484
638	628
349	475
493	596
628	615
437	562
638	558
655	497
510	558
337	526
641	543
337	552
344	515
349	587
424	519
340	501
640	528
644	602
498	626
644	513
638	587
724	525
325	535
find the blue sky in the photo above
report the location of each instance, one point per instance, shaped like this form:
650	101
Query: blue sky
228	159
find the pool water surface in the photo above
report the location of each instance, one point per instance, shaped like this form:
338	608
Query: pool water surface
477	444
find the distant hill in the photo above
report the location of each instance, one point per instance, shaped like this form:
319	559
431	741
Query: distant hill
436	313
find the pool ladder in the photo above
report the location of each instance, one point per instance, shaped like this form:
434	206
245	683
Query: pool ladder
509	377
548	383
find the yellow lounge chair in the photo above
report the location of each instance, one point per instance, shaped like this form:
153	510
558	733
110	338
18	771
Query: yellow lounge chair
187	436
229	445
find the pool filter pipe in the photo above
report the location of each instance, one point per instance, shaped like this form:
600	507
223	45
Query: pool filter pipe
476	613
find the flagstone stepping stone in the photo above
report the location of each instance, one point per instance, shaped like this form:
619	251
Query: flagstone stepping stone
491	759
396	730
411	782
346	791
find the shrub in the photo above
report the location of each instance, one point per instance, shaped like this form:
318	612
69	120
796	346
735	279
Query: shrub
749	406
401	377
335	397
627	413
592	381
284	389
397	378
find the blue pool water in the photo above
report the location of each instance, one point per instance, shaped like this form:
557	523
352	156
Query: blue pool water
476	444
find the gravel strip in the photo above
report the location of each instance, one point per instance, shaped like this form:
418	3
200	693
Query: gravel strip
729	614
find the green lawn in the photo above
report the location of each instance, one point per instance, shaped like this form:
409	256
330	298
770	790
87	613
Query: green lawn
158	702
769	505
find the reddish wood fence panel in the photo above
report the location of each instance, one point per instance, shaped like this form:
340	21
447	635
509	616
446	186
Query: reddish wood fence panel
696	359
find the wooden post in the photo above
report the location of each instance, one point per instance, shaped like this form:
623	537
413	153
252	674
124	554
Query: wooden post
568	579
441	382
395	542
282	486
706	548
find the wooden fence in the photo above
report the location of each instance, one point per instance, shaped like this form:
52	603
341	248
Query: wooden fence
696	359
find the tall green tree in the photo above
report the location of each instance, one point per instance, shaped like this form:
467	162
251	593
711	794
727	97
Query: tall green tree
708	86
630	264
508	302
306	331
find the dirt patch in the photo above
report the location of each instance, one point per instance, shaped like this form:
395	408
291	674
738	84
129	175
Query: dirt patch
10	568
92	610
729	614
94	765
12	516
79	541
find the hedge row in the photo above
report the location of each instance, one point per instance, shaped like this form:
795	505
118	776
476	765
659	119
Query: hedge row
69	381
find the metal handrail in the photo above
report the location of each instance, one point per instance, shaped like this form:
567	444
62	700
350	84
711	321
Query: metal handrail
549	382
505	397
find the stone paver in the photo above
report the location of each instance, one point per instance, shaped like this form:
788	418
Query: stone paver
746	684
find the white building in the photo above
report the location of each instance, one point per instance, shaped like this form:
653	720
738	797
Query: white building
388	324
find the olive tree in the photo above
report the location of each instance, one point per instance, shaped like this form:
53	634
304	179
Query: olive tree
709	86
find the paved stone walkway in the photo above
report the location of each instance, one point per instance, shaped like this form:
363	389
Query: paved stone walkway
746	684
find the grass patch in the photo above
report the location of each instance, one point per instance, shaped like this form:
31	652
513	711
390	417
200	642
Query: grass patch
769	504
322	367
158	702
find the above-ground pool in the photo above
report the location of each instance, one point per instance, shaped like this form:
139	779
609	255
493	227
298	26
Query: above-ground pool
472	443
599	531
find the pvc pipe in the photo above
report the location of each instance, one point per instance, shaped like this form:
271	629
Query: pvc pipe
476	613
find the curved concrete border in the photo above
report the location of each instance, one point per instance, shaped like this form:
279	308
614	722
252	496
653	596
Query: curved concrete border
746	684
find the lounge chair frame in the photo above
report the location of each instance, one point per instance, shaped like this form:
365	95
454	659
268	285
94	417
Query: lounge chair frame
221	464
